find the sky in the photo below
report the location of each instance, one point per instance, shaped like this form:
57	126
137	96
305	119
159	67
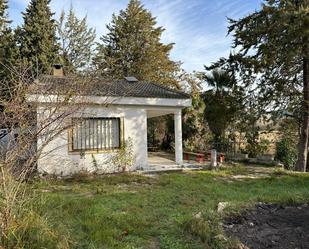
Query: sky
197	27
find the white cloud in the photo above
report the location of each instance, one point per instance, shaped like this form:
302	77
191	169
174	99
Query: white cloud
186	25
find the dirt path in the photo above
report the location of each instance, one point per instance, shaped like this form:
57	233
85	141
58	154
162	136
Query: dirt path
255	172
271	226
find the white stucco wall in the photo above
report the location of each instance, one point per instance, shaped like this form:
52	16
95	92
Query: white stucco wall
56	158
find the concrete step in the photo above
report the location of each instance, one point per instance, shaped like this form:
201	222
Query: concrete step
153	171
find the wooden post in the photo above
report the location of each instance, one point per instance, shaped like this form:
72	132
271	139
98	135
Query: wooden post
213	164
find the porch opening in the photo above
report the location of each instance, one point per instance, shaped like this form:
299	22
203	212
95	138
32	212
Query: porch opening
164	138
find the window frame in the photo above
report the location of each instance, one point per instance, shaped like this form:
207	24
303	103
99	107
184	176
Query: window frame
97	150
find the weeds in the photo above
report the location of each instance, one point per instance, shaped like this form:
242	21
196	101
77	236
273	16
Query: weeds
22	225
206	227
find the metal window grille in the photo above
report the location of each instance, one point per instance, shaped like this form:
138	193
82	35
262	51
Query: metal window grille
95	134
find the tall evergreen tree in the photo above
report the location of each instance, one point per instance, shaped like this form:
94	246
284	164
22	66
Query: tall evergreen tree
133	47
77	41
37	37
7	49
4	21
273	44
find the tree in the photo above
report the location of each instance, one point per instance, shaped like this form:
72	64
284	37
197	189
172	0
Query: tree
5	30
19	219
273	49
286	146
5	34
7	49
195	131
251	123
222	103
37	37
77	41
132	47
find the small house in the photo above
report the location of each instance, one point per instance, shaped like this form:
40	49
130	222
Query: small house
110	118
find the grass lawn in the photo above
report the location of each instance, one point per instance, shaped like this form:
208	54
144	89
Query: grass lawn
134	211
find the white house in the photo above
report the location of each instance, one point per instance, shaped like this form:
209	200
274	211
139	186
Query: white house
112	114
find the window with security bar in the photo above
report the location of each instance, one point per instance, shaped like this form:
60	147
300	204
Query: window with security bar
95	134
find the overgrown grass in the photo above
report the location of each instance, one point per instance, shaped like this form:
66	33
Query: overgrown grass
133	211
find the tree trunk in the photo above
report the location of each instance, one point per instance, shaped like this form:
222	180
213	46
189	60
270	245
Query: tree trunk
303	140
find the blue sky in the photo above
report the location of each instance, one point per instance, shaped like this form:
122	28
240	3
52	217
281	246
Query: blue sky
197	27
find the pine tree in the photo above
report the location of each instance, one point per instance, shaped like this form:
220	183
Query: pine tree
7	49
77	41
37	37
4	22
133	47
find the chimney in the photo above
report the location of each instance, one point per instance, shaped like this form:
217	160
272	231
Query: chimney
58	70
131	79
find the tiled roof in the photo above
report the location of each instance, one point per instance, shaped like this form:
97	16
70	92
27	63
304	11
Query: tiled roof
119	88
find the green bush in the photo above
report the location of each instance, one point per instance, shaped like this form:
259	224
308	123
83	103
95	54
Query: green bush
255	147
286	153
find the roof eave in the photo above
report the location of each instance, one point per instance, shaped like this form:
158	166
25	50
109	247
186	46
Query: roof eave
110	100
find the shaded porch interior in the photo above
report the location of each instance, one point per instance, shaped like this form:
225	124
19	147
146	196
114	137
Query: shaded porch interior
157	157
171	158
165	161
161	158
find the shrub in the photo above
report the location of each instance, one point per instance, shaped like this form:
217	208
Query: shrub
255	147
286	153
124	159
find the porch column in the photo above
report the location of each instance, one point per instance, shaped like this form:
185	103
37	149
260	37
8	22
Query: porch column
178	137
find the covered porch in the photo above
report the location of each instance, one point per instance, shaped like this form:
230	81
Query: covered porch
170	161
177	158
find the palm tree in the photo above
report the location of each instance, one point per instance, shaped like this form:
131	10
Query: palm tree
222	103
220	80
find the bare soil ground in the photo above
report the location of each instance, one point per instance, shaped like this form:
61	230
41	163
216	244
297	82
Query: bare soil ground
271	226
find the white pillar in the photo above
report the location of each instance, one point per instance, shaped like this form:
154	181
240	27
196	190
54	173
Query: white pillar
213	163
178	137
